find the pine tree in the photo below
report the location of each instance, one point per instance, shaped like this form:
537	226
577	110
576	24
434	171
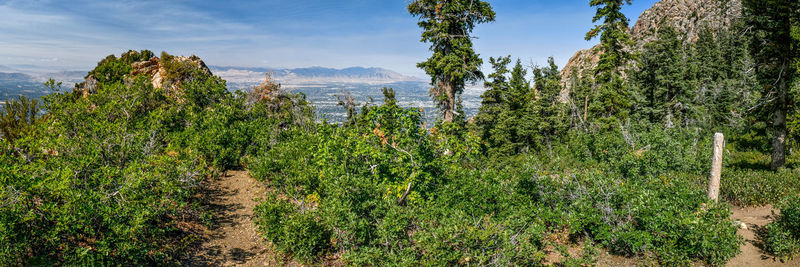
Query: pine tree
614	38
447	25
664	79
502	114
493	100
519	87
544	119
776	51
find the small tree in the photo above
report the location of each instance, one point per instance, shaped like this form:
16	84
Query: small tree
447	25
493	100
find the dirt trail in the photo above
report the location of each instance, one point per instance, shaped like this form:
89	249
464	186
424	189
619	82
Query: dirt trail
752	253
233	240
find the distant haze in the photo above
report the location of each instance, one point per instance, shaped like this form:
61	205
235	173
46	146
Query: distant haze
74	35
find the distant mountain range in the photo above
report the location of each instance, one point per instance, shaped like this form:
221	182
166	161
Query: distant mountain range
312	75
38	75
16	76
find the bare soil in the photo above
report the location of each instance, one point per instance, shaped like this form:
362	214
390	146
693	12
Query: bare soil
755	218
233	239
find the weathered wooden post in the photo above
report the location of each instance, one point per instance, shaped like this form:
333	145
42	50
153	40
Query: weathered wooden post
716	167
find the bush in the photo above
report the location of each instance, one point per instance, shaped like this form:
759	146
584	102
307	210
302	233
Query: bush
291	230
18	118
112	174
462	208
782	236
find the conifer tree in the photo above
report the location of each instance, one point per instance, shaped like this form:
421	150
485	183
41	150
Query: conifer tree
447	25
511	120
545	118
493	100
664	79
614	38
776	52
519	87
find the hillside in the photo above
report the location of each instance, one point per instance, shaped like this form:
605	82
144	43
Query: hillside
688	17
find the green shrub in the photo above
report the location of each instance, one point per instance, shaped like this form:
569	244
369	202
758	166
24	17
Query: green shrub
782	236
466	209
291	230
111	176
18	118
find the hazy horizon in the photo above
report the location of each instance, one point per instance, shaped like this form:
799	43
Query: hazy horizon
74	35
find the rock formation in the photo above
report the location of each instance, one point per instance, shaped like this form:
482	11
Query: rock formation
688	17
168	72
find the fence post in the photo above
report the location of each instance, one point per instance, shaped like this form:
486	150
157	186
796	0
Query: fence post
716	167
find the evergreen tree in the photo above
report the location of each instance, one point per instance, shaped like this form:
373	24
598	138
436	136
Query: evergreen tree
519	87
544	119
501	117
508	132
447	25
666	86
614	38
493	100
725	82
775	50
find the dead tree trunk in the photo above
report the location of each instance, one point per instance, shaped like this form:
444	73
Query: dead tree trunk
716	167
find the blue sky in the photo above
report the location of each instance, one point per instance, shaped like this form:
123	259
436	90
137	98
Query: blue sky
278	33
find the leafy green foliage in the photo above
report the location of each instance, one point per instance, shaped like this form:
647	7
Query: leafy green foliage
18	118
782	237
390	192
110	177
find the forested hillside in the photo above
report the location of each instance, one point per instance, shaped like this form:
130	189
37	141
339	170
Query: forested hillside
610	167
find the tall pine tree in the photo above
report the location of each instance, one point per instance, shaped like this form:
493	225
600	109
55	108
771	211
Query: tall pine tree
776	52
612	101
447	25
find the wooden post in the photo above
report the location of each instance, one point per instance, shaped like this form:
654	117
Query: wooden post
716	167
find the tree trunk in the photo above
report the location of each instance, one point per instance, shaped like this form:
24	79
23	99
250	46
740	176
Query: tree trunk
779	128
450	104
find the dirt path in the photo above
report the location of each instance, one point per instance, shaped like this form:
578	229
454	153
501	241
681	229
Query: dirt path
752	253
233	240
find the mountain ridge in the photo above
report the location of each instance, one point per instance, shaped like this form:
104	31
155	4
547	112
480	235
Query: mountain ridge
686	16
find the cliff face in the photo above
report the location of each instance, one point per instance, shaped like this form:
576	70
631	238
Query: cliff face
688	17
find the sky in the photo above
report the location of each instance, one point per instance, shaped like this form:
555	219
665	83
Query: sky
74	35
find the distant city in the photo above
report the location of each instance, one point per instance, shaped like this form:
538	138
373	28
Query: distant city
322	86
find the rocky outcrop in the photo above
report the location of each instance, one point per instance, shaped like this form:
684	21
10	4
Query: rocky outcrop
171	73
168	72
688	17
